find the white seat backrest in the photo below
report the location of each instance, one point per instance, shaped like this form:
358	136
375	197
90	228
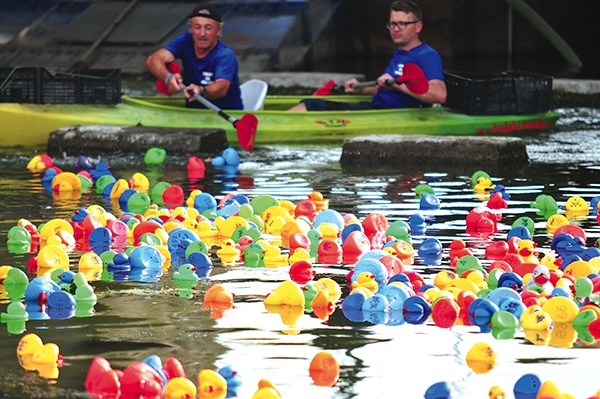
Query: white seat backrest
254	93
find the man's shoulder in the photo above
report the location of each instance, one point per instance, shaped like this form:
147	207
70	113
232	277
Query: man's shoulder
424	48
223	48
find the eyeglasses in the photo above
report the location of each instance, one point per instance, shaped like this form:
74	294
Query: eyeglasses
399	25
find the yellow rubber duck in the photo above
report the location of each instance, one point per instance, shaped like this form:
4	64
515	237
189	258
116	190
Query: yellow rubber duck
526	250
329	231
483	185
497	392
366	280
211	385
300	254
207	232
287	293
140	182
266	390
274	258
549	260
316	198
190	200
119	188
179	388
228	253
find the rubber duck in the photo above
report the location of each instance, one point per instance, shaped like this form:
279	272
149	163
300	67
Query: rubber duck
254	255
84	291
141	380
266	390
179	388
287	293
211	385
218	294
233	379
274	258
526	250
355	245
228	253
155	156
34	355
15	317
366	280
331	286
404	251
302	272
316	198
15	311
118	188
483	185
540	280
139	181
329	252
322	305
39	288
306	208
207	231
315	237
300	254
546	205
15	282
186	272
329	231
496	392
195	168
40	163
324	369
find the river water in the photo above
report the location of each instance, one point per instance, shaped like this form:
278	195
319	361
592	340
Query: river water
138	317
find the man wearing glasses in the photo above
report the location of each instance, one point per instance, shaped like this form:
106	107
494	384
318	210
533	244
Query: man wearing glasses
405	25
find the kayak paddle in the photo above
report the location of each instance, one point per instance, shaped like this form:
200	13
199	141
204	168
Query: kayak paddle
412	76
245	126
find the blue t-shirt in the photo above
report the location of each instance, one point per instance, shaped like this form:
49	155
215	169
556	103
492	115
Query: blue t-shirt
220	63
427	59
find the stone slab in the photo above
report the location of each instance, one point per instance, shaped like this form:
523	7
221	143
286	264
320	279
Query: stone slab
421	151
94	140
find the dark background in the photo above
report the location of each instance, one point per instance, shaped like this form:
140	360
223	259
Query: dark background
301	35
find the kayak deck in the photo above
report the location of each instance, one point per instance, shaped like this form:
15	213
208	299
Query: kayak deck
31	124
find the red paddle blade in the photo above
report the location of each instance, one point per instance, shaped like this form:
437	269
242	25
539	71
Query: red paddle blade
246	131
326	89
414	78
161	86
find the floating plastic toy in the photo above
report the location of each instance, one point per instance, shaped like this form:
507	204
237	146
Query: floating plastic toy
34	355
155	156
287	293
324	369
211	385
481	358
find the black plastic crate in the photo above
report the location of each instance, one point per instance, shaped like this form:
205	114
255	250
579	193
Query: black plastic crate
40	86
504	93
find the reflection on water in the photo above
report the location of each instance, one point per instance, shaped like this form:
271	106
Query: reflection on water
141	315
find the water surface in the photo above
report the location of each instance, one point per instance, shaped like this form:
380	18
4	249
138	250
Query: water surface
136	319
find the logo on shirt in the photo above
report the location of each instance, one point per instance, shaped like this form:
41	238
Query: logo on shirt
399	70
207	78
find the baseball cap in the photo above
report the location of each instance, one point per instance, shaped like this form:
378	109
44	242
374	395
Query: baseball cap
206	10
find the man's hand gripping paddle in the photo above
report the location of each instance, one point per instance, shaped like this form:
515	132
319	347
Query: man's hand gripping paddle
412	76
245	127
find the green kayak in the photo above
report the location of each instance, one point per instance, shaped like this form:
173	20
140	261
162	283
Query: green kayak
31	124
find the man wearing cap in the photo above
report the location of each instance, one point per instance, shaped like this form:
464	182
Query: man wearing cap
210	67
405	26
